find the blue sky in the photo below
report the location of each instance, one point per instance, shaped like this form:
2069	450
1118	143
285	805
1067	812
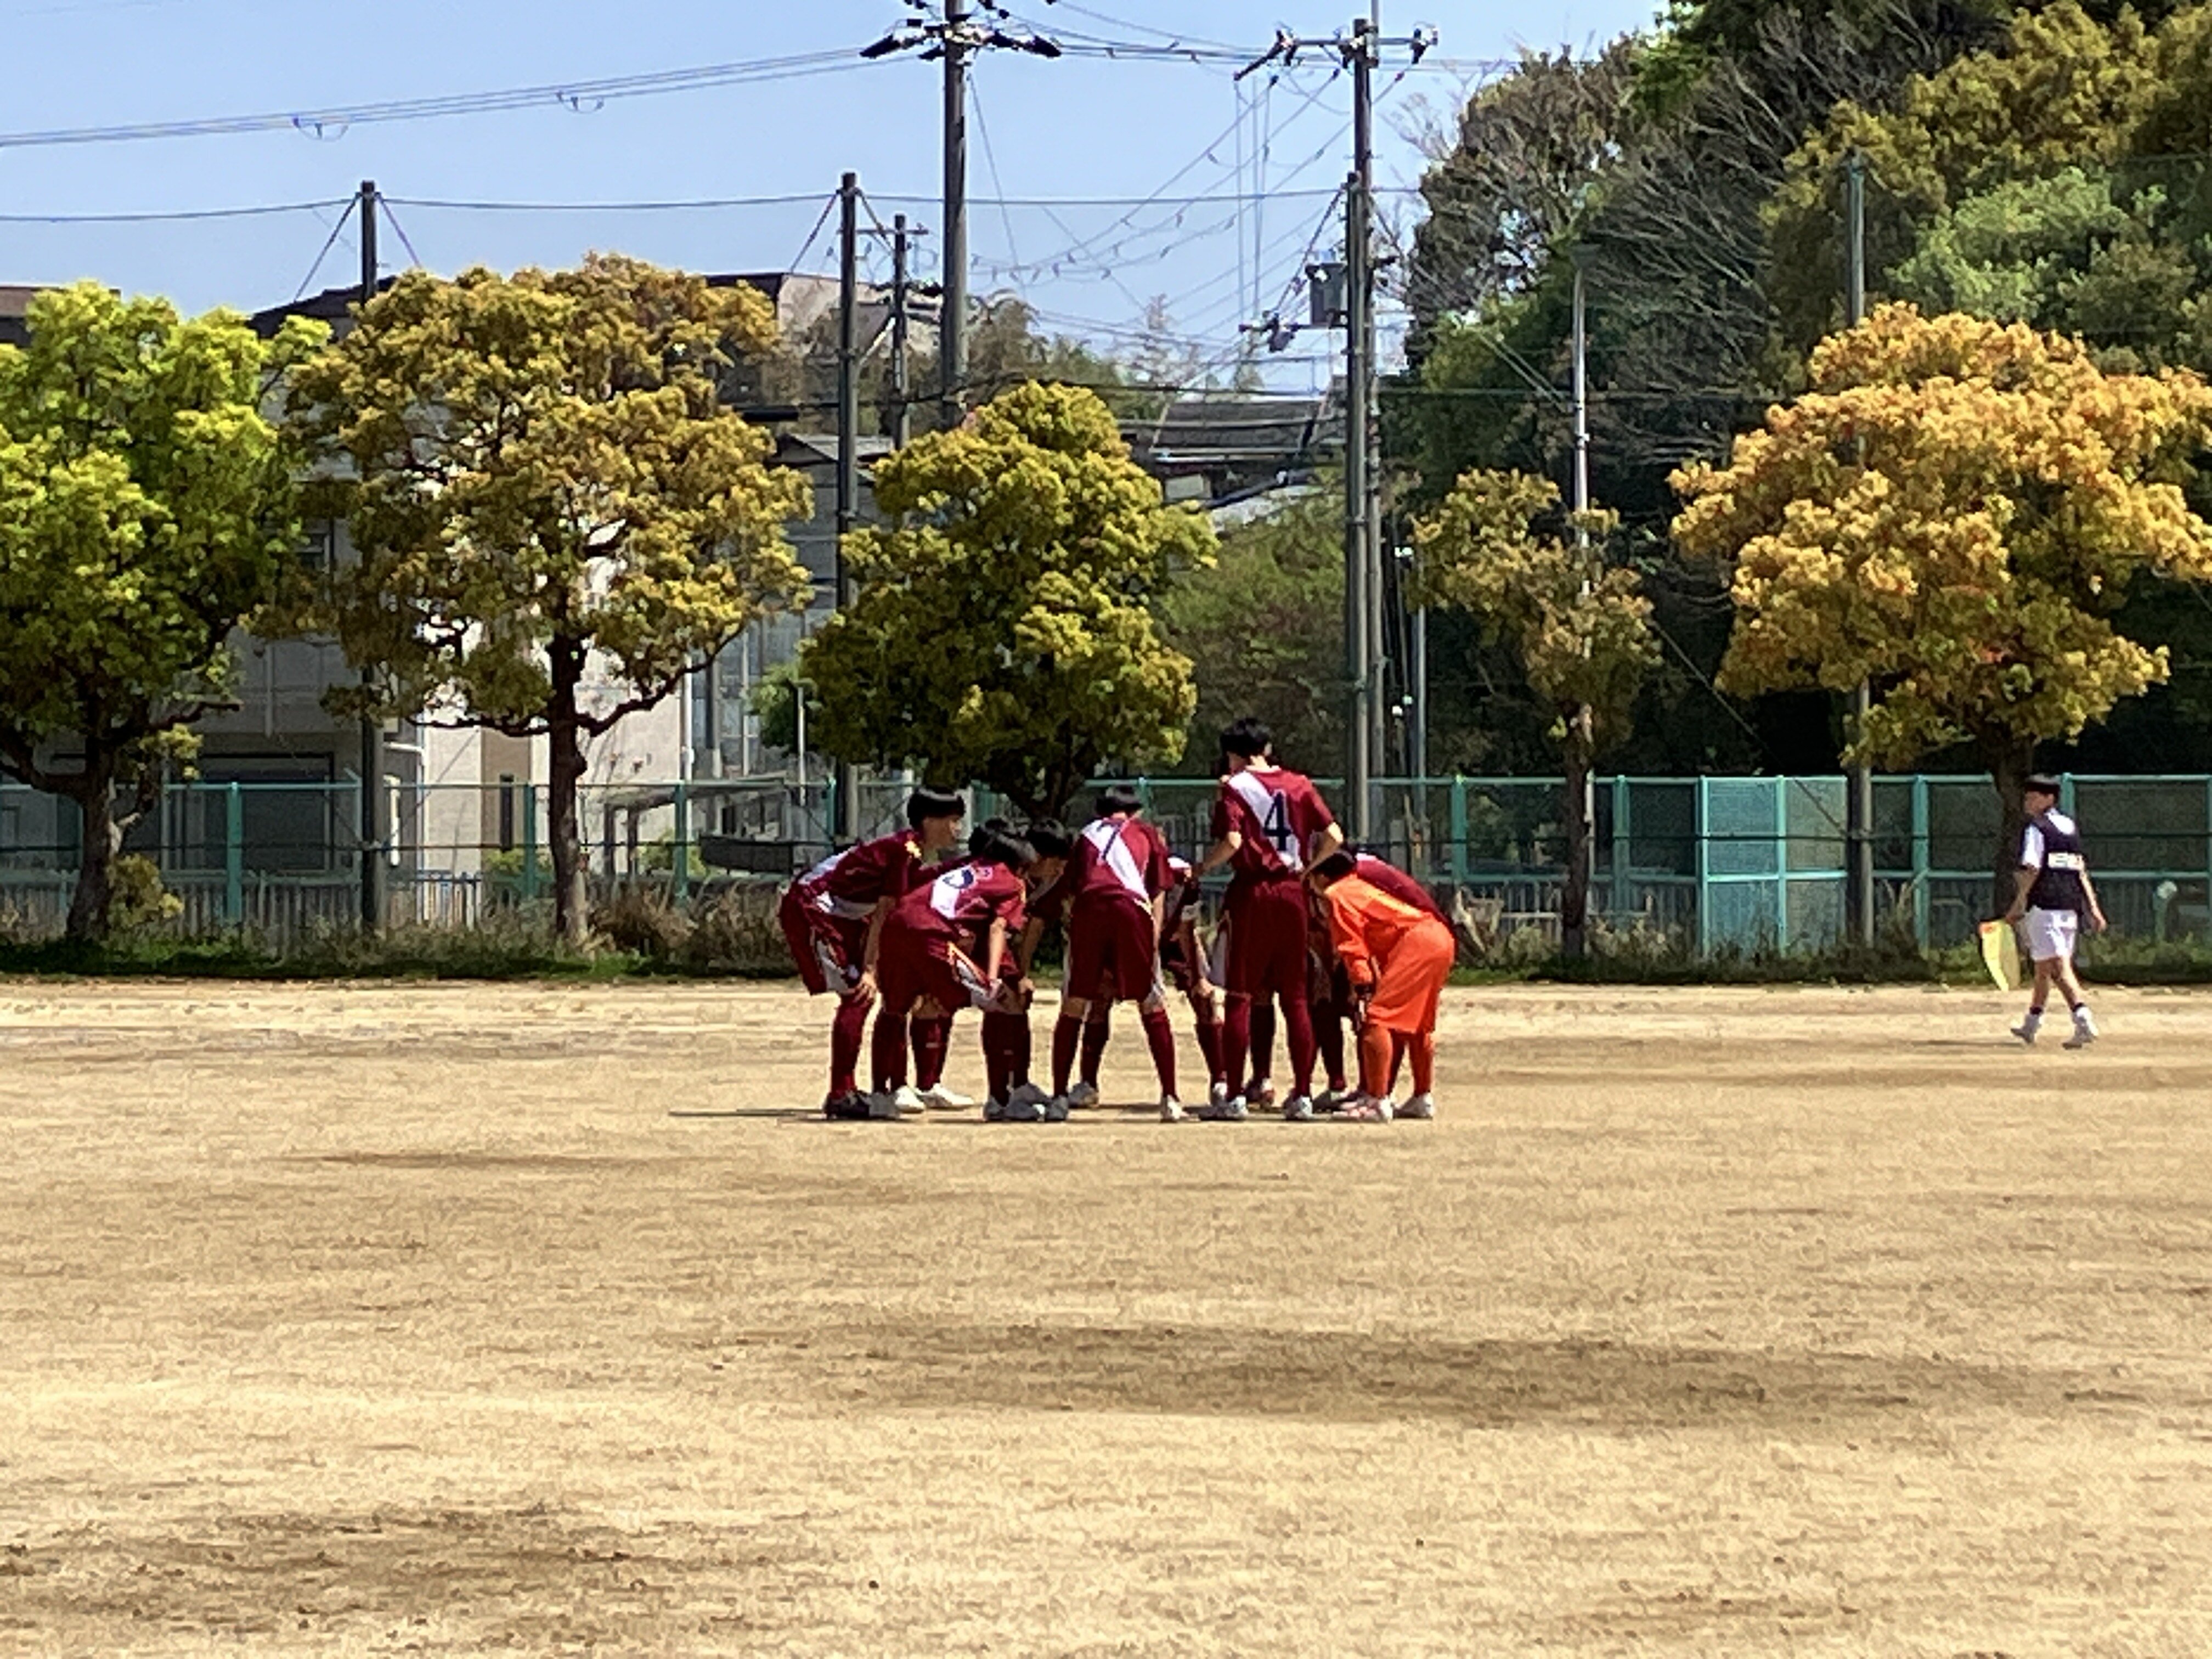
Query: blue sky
1055	130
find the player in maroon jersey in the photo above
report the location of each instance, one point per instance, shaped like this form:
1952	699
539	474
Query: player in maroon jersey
1270	827
1335	1005
944	947
1011	1096
1117	880
833	919
1183	960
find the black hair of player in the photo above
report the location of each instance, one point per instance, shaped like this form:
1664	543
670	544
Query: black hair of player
1119	798
995	840
2042	783
925	804
1334	868
1049	838
1248	738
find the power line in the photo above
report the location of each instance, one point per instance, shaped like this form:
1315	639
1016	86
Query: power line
175	216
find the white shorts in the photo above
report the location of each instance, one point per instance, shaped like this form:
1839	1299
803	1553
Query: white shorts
2050	935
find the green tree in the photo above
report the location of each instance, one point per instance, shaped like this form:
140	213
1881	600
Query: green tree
1263	627
1954	512
555	519
148	507
1579	624
1003	633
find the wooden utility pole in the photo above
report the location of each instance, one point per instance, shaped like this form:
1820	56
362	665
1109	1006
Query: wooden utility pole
374	879
847	828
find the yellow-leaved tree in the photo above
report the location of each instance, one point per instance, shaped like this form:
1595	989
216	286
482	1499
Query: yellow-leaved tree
1953	512
1578	623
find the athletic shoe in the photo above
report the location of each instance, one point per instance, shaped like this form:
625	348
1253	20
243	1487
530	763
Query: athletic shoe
1300	1110
1228	1111
1053	1111
2027	1029
1420	1107
1170	1109
1368	1109
1218	1095
1334	1099
848	1108
994	1110
1083	1097
938	1098
1260	1091
1029	1112
907	1102
2084	1031
882	1108
1027	1094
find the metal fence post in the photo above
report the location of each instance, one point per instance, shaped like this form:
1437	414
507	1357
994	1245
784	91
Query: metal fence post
1781	854
1458	828
1621	855
529	840
1922	861
1704	866
233	856
680	882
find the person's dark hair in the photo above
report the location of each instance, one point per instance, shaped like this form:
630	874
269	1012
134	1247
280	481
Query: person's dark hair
933	803
995	840
1049	838
2042	783
1119	798
1335	867
1248	738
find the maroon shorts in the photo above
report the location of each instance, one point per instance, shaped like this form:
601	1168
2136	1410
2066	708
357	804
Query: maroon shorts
1266	954
828	951
1112	954
915	966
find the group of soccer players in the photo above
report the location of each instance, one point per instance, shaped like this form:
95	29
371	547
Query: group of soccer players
1328	936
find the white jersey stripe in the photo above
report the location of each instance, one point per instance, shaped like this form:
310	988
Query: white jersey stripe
1107	841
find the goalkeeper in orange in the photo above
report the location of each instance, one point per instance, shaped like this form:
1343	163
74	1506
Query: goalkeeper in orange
1397	958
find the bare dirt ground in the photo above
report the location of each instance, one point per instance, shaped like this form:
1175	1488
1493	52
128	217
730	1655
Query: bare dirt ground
442	1319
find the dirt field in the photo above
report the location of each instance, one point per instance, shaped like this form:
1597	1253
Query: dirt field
392	1320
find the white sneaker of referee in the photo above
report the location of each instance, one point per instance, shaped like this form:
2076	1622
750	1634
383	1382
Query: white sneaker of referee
2053	893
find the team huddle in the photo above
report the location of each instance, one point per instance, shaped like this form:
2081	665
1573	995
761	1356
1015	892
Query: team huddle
1321	935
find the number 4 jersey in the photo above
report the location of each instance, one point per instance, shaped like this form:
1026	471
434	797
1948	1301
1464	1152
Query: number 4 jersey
1278	814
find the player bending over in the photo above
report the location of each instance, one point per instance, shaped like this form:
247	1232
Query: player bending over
2052	891
1397	957
1117	880
1333	1005
833	919
1270	826
1183	960
1011	1096
944	947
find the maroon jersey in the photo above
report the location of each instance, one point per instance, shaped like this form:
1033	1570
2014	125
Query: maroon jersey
1279	814
850	884
1378	873
960	905
1118	860
1050	906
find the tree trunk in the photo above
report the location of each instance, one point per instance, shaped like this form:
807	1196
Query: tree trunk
94	791
1574	893
2011	760
564	772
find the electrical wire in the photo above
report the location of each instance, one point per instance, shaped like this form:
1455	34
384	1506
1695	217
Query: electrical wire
173	216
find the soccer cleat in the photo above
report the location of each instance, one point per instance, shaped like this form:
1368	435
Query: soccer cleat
850	1106
2027	1029
1228	1111
1334	1098
882	1108
1053	1111
2085	1030
1369	1110
994	1110
1218	1095
1170	1109
1027	1112
1260	1091
1027	1094
938	1098
1299	1110
1083	1097
1420	1107
907	1101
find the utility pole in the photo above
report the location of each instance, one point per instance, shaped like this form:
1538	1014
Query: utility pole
1367	711
957	38
902	414
373	880
1858	802
847	828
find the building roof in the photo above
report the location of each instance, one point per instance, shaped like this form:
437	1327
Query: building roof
812	449
14	305
1227	432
